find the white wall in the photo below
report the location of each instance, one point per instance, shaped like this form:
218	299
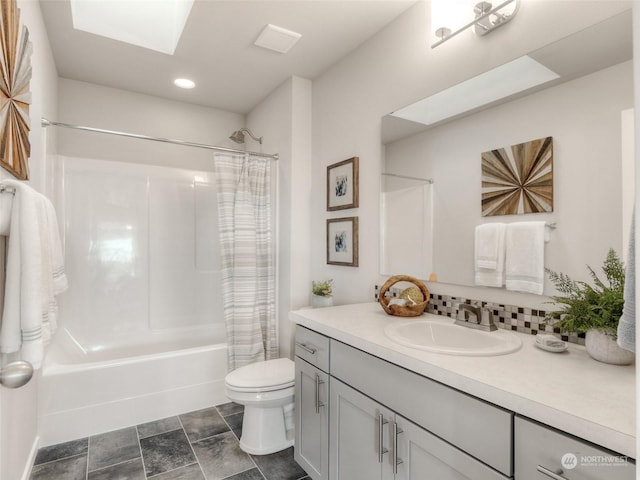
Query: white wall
107	108
284	119
392	69
587	172
19	408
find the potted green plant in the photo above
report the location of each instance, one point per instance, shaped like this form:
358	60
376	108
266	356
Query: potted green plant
322	293
594	310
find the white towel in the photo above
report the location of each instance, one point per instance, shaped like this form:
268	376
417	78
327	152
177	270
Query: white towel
28	317
489	254
524	259
54	280
627	325
6	202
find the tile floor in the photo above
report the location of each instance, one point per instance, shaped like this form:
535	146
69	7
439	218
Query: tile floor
200	445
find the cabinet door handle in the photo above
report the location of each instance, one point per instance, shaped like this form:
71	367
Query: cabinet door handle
306	348
555	475
381	424
318	403
396	461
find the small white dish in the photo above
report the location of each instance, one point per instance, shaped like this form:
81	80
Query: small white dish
551	343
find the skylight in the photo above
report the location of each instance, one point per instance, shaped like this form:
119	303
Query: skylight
152	24
500	82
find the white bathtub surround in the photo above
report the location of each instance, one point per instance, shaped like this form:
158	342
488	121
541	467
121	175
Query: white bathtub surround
35	273
155	376
569	391
248	275
141	331
141	246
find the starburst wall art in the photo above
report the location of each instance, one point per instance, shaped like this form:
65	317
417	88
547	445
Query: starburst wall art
519	181
15	96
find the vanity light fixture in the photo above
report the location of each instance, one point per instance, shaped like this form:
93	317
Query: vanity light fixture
184	83
446	14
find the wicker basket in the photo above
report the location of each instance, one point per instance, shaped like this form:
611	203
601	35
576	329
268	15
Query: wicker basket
406	310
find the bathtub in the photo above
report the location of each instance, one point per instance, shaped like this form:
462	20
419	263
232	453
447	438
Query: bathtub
87	390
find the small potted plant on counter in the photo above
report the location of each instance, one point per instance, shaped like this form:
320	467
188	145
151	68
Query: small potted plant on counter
321	293
594	310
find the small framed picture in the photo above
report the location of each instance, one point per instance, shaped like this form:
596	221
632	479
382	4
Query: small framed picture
342	241
342	185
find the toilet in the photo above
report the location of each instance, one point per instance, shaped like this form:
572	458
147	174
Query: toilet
266	391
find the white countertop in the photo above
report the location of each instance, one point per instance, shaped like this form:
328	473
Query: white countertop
569	391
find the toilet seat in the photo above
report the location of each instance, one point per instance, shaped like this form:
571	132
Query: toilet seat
267	376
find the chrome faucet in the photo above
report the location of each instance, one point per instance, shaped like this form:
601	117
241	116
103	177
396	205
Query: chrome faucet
475	316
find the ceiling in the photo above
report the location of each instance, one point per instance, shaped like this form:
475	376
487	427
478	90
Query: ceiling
216	49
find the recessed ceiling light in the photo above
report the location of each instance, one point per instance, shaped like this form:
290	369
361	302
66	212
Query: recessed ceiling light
277	38
184	83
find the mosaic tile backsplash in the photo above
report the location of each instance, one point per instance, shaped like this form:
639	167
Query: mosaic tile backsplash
510	317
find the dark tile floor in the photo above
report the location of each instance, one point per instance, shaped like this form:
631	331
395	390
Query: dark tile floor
201	445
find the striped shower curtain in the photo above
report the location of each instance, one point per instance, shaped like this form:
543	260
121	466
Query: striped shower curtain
246	244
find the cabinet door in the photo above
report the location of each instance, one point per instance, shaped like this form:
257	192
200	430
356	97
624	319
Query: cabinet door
359	433
419	455
311	448
546	454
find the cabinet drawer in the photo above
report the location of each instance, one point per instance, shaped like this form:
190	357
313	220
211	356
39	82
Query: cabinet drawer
476	427
541	452
312	347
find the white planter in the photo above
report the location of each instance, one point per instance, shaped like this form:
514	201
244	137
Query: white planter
603	347
320	301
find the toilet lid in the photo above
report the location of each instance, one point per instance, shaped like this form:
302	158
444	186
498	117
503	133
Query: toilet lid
270	375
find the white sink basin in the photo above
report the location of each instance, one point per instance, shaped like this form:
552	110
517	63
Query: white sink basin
441	337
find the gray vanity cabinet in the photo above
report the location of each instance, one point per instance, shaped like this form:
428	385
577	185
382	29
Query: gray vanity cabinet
360	417
542	453
359	436
477	428
311	448
371	442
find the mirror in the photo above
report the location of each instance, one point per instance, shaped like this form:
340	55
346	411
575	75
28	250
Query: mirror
406	205
580	107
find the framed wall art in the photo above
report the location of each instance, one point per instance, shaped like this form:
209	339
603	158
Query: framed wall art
342	241
518	181
15	96
342	185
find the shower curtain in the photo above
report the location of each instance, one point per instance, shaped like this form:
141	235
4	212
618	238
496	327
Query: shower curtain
246	244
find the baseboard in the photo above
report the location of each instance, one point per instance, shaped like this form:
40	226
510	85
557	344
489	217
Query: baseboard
32	458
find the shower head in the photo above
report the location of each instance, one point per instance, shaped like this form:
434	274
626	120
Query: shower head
238	136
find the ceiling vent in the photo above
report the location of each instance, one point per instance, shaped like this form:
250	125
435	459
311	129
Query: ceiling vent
277	39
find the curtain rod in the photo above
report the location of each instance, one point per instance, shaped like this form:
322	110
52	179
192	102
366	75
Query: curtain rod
406	177
46	123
